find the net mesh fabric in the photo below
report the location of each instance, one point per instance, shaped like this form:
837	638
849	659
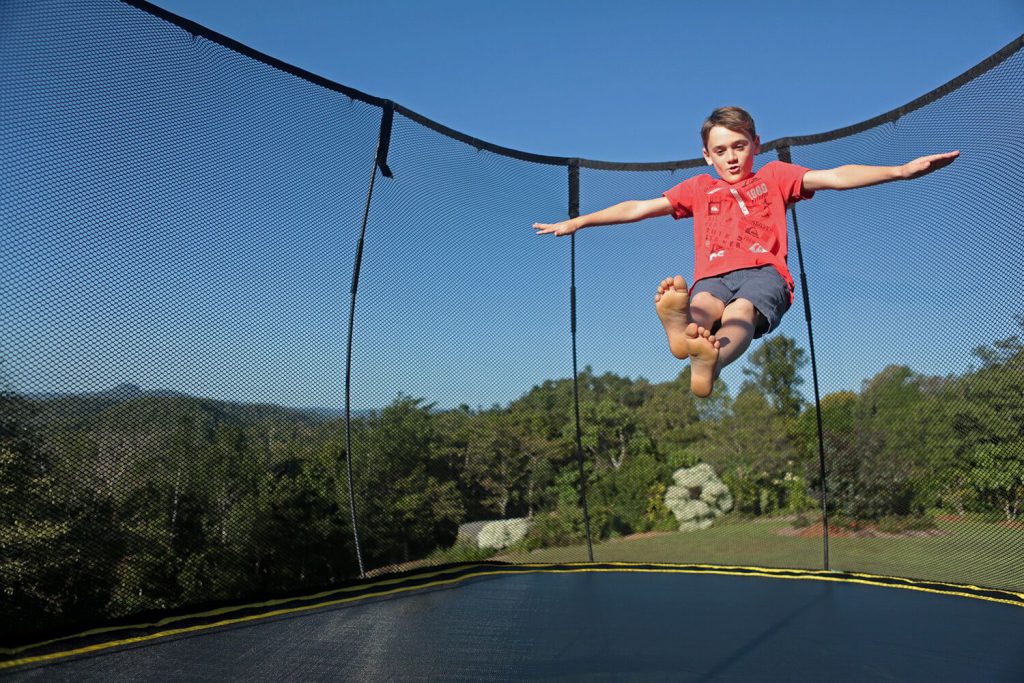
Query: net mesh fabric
180	221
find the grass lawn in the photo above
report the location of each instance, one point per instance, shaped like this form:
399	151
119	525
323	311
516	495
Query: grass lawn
978	553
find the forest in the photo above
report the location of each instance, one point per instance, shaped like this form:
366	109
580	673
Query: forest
128	501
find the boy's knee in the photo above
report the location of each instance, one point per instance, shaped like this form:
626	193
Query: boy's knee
705	309
741	310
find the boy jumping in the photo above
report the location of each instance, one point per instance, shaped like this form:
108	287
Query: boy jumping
742	286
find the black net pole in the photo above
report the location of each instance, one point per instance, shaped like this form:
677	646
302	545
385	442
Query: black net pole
784	155
379	162
574	212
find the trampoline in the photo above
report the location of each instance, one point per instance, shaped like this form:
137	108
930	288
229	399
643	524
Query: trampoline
585	622
180	212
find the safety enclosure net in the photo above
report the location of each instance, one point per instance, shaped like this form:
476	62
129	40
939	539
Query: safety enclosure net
190	231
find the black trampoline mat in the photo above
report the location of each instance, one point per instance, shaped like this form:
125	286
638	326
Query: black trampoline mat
599	625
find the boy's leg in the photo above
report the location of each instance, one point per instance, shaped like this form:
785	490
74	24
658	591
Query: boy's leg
761	299
672	302
705	310
737	331
710	353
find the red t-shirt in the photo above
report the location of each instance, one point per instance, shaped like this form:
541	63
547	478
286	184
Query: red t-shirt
741	225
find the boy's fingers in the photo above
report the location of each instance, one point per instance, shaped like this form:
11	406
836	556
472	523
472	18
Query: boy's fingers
947	156
943	160
546	228
934	162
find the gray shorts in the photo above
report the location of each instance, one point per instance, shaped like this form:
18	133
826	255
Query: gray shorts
762	286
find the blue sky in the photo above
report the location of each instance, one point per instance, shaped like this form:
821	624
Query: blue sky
598	80
624	81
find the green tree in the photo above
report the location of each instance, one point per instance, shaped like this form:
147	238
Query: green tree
871	446
628	500
608	427
996	471
753	449
669	418
977	431
498	464
295	532
774	368
409	503
58	543
1002	352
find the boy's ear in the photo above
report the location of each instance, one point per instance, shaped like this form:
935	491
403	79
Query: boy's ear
757	144
707	157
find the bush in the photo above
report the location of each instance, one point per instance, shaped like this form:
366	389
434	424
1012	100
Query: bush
462	551
678	458
627	500
805	519
797	494
659	517
559	528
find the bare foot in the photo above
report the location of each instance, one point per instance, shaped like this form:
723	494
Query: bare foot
703	350
673	304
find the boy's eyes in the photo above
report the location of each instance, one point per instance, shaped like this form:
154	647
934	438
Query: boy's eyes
740	146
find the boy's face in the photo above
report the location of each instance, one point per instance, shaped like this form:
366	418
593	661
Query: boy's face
731	153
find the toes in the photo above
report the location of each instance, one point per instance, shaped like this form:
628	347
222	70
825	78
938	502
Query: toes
679	283
691	330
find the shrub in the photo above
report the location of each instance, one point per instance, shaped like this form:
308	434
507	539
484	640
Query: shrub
659	517
797	495
804	520
462	551
558	528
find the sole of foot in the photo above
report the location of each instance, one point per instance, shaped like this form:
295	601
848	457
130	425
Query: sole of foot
703	349
672	302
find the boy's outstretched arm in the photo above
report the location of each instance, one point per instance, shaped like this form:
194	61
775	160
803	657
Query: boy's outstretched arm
850	177
623	212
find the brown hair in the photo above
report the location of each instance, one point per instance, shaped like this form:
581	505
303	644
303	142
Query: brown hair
733	118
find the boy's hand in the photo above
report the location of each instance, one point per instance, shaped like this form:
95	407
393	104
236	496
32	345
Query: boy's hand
564	228
925	165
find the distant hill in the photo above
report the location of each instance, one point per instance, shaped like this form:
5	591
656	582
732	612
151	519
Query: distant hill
129	406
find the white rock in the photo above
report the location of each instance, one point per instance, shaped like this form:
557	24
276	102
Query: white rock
470	531
695	526
678	494
502	533
698	497
691	510
698	475
713	490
